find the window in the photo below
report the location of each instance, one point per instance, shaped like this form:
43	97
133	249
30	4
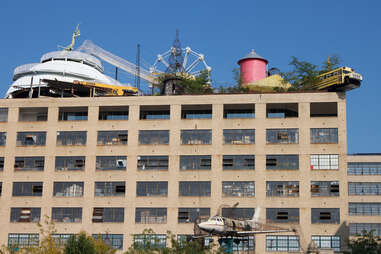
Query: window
111	163
324	161
72	114
113	240
61	239
282	243
67	214
153	162
27	189
23	240
286	161
150	241
195	189
282	189
365	209
3	114
155	112
102	214
3	138
239	136
31	138
113	113
238	213
25	214
1	163
282	136
29	163
239	244
282	215
325	188
238	162
64	163
364	168
145	189
327	242
112	137
196	111
195	162
109	189
324	136
151	215
358	228
71	138
238	189
68	189
232	111
182	238
363	188
281	110
323	109
154	137
33	114
189	215
325	215
196	137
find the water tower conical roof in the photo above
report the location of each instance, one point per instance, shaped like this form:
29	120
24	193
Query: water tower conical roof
252	55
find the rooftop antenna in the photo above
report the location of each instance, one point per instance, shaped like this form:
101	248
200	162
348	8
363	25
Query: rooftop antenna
76	33
176	58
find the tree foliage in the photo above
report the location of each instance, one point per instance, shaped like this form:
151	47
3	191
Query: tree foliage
198	85
366	243
79	244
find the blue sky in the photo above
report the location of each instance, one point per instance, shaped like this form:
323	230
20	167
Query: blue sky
222	30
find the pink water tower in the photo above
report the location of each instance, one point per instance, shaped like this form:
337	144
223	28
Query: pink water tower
253	68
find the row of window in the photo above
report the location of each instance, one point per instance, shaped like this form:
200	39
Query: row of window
186	162
187	137
162	112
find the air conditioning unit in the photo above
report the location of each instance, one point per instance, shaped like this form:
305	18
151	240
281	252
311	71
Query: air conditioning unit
121	163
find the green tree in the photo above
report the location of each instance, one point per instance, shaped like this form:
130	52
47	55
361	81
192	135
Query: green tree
198	85
80	244
366	243
331	64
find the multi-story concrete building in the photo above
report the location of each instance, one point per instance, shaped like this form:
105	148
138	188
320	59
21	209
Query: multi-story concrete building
118	165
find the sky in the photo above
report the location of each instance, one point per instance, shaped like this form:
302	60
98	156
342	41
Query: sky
224	31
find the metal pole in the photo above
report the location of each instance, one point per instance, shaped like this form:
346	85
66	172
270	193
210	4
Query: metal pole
39	88
31	88
137	76
116	73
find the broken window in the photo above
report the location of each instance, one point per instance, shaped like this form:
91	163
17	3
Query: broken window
111	162
106	214
282	215
151	215
232	111
150	241
364	188
194	188
27	189
203	111
284	161
112	137
238	213
146	189
25	214
3	138
67	214
29	163
196	137
189	215
23	240
364	209
282	189
239	136
113	240
33	114
153	137
282	136
31	138
195	162
109	189
113	113
327	242
281	110
364	168
153	162
238	189
155	112
71	138
68	189
324	188
282	243
324	161
323	109
325	215
324	136
238	162
64	163
3	114
1	163
72	114
357	229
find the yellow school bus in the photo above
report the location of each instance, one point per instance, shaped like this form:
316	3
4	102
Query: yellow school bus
340	79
